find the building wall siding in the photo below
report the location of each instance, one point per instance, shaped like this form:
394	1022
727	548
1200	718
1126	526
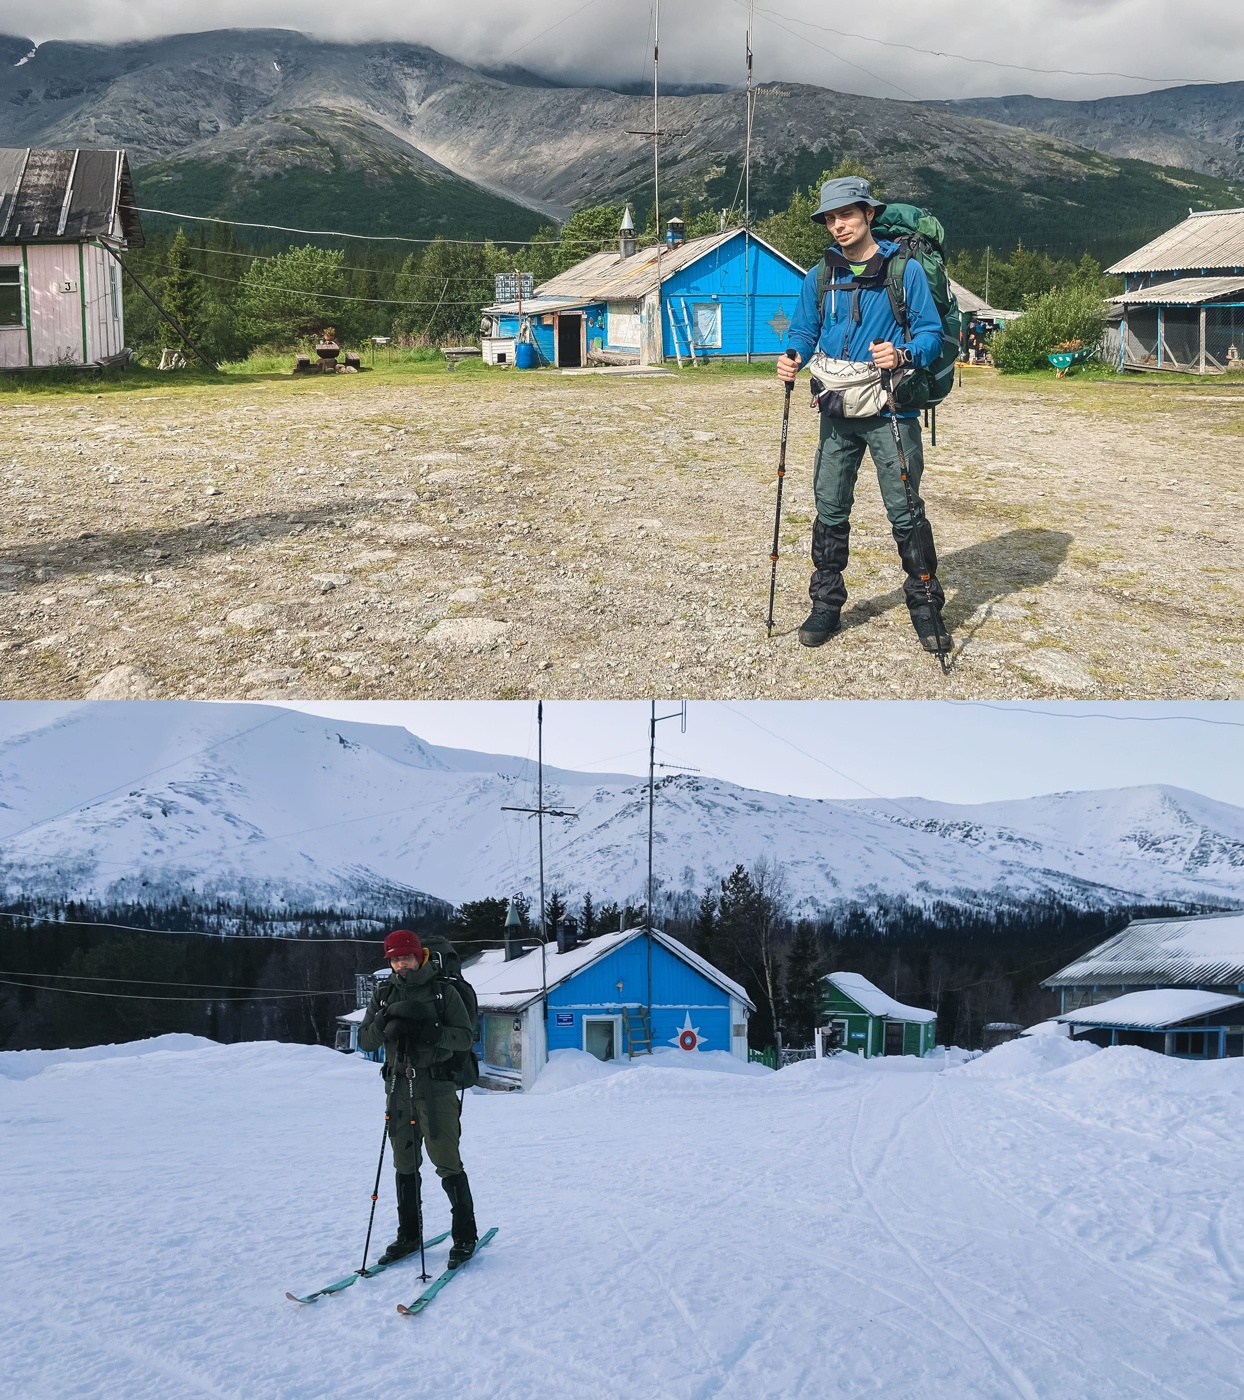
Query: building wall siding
55	315
677	990
721	275
13	338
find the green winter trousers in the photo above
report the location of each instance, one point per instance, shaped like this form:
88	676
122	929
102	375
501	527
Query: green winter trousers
838	459
424	1113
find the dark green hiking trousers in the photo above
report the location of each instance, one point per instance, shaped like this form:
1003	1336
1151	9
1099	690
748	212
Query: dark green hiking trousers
838	459
431	1117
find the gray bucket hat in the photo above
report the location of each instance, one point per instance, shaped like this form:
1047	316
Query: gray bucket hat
847	189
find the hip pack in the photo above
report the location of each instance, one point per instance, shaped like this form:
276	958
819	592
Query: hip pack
849	388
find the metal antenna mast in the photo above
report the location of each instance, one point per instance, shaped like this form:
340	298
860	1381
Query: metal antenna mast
653	721
656	131
540	811
747	193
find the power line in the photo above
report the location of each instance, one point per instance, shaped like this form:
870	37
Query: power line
988	62
150	982
1124	719
139	996
556	24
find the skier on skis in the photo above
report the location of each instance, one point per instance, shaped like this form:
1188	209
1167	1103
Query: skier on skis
855	322
422	1022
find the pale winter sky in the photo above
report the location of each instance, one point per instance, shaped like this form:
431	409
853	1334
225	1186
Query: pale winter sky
858	749
1151	43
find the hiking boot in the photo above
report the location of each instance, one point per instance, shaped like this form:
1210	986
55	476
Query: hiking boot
409	1225
932	631
819	626
463	1228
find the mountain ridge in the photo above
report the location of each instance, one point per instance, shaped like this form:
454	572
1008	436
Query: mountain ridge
247	803
215	111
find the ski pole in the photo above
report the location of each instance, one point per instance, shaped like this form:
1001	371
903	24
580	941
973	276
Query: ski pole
375	1192
916	512
414	1128
777	514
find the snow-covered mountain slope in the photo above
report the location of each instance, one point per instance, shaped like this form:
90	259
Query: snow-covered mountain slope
124	801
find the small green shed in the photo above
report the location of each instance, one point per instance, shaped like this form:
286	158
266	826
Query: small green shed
861	1018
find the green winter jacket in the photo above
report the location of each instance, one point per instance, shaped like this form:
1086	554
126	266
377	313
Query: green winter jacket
436	1027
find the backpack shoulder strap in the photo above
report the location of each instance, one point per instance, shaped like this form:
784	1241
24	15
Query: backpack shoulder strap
822	288
895	285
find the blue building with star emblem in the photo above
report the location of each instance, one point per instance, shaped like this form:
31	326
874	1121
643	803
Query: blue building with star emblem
615	996
727	295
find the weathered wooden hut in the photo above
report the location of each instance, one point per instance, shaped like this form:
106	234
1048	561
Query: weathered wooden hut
726	295
860	1017
62	216
1183	297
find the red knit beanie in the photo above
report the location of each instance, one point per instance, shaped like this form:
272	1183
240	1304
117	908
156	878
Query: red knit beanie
401	943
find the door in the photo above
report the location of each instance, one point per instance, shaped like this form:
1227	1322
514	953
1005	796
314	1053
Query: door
894	1037
569	340
600	1038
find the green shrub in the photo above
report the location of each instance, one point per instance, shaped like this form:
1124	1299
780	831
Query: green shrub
1073	312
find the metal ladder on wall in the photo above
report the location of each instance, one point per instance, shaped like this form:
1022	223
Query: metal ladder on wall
638	1031
684	329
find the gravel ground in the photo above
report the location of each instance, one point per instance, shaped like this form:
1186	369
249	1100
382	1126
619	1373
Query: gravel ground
492	534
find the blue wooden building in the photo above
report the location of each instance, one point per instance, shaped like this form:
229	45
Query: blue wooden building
728	294
617	995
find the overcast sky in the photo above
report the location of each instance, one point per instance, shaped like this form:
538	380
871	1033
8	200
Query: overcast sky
859	749
703	40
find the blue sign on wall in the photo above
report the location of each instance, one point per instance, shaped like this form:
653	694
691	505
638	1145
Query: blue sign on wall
564	1018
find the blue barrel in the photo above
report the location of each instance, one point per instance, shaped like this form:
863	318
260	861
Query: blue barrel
525	356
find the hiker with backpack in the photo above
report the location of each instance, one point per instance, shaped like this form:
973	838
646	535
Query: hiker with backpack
867	320
425	1017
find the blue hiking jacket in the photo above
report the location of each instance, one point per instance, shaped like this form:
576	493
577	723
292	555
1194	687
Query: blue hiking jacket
841	338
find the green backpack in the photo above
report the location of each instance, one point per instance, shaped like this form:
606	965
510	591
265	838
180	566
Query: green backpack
919	235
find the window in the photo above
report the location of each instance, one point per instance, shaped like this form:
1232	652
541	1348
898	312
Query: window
114	289
706	323
11	297
601	1036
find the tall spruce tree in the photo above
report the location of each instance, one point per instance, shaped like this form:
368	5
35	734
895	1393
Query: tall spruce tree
804	968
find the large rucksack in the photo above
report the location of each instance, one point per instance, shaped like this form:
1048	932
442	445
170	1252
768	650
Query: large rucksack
919	235
462	1068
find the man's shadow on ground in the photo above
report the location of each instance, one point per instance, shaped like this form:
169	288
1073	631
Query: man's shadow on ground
977	576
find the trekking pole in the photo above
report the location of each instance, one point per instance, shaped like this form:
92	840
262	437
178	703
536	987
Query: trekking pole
375	1192
414	1128
777	514
916	512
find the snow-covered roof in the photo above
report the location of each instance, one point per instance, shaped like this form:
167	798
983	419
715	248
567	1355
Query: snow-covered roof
874	1000
509	986
1152	1010
1205	948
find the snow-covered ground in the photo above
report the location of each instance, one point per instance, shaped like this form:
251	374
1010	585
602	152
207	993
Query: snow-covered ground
1045	1221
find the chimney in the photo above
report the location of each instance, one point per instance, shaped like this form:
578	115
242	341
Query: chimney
566	940
675	233
513	933
626	235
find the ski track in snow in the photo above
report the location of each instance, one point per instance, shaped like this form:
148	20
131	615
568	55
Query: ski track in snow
1046	1222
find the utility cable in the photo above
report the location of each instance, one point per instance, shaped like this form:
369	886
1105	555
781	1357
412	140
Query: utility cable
138	996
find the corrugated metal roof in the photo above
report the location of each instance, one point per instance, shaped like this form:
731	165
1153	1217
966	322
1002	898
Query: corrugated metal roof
972	305
1184	291
1153	1010
1214	238
608	276
1203	950
48	196
874	1000
535	306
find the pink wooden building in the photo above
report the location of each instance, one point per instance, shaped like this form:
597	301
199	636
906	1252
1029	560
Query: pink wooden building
60	286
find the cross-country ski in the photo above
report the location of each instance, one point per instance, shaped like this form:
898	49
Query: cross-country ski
370	1272
421	1302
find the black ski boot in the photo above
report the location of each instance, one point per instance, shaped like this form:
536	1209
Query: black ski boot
409	1226
831	547
926	615
465	1233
